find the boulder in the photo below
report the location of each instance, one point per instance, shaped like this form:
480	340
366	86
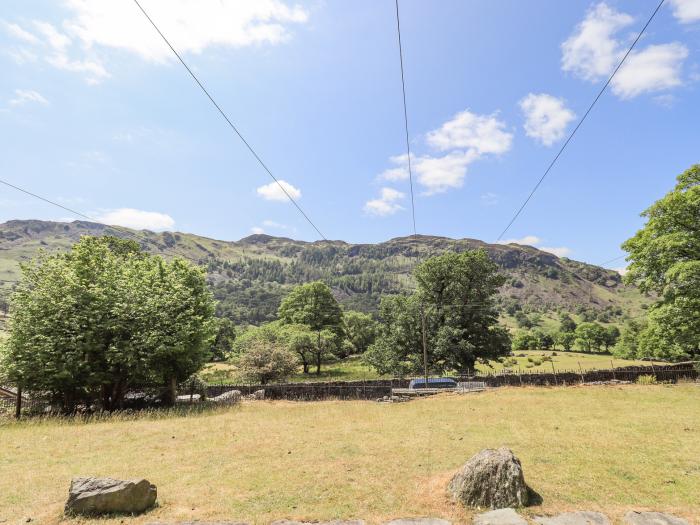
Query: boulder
574	518
490	479
227	398
652	518
500	517
259	394
94	496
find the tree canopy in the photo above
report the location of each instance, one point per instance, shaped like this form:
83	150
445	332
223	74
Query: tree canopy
87	324
456	293
665	260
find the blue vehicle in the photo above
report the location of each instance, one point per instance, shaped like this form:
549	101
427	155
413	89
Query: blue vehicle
436	382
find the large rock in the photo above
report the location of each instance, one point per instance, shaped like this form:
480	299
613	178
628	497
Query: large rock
574	518
227	398
500	517
490	479
93	496
652	518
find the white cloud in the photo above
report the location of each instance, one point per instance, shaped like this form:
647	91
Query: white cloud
22	96
273	191
137	219
20	34
591	52
257	230
467	137
686	11
466	130
528	240
191	26
489	199
622	270
546	117
656	68
561	251
91	26
386	204
534	241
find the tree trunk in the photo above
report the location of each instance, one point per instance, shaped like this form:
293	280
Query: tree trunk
18	405
319	353
171	394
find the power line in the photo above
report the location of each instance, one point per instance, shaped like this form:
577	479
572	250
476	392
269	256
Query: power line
595	100
605	263
228	120
405	118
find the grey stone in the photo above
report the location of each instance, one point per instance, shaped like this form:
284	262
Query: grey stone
259	394
94	496
333	522
490	479
574	518
500	517
418	521
652	518
227	398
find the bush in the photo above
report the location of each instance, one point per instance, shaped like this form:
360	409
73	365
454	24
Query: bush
646	380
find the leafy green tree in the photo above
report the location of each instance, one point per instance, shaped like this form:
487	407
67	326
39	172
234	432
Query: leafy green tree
566	323
590	336
665	260
627	346
360	330
313	305
525	340
456	293
523	320
89	323
544	340
225	336
566	340
299	339
266	361
610	336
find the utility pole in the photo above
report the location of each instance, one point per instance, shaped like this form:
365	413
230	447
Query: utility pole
425	345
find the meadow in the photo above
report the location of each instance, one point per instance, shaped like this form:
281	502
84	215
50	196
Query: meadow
607	448
353	369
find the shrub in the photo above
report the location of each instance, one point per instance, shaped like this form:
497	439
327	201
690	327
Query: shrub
646	380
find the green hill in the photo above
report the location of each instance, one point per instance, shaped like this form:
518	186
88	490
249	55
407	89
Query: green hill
249	277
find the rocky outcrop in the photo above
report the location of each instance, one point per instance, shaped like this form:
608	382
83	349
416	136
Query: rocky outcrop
491	479
227	398
96	496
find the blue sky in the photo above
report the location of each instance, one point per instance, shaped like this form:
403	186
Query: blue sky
95	113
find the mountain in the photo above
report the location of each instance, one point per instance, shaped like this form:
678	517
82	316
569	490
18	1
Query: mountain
249	277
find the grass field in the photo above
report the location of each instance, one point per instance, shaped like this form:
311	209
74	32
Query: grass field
353	369
596	448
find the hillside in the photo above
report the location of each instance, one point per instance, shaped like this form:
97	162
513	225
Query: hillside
249	277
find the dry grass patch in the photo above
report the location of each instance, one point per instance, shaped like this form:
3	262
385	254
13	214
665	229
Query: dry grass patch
598	448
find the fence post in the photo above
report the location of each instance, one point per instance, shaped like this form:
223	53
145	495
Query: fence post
613	369
18	404
580	368
555	372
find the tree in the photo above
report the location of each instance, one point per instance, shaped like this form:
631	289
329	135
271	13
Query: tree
610	336
87	324
566	340
566	323
627	346
523	320
267	361
544	340
456	297
313	305
302	341
360	330
225	336
525	341
665	260
590	336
